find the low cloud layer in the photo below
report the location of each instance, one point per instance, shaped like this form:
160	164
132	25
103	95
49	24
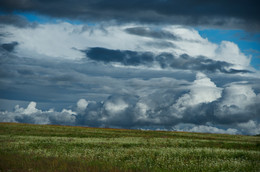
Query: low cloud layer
204	108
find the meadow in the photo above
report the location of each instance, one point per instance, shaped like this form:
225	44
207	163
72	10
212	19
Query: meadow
27	147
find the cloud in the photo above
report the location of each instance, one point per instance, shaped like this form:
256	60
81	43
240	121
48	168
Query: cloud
203	90
204	129
239	103
107	76
250	127
229	52
115	112
207	13
210	129
29	110
165	60
185	49
199	63
238	95
9	46
200	106
116	106
33	115
16	20
124	57
147	32
82	104
128	97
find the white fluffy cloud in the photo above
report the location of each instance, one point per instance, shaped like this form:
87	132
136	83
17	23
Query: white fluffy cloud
142	110
29	110
33	115
64	40
82	104
250	127
203	90
205	129
116	106
230	52
238	95
239	103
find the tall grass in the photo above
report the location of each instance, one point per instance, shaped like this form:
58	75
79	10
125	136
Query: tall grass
26	147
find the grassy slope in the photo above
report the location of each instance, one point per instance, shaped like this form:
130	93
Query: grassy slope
25	147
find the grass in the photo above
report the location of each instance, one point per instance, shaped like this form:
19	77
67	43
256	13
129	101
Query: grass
26	147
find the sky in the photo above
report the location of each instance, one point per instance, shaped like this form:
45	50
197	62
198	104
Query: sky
158	64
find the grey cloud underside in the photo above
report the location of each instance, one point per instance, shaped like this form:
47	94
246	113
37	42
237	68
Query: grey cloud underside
9	46
165	60
218	13
147	32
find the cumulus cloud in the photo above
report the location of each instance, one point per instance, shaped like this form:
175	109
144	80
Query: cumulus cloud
205	129
238	95
36	116
229	52
250	127
162	108
132	45
127	76
115	107
239	103
82	104
210	129
203	90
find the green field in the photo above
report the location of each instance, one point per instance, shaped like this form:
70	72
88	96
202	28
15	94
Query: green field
26	147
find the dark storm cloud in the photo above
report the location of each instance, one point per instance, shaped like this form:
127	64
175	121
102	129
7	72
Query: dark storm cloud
216	12
165	60
9	46
16	20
